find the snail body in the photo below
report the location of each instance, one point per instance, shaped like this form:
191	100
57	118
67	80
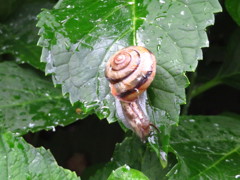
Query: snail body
130	71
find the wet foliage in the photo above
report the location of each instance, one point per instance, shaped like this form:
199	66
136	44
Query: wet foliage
75	39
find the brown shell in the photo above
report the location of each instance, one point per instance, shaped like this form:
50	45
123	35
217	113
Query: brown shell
130	71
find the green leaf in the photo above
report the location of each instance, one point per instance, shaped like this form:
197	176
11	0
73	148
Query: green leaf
136	155
29	102
233	8
126	173
19	34
207	147
19	160
230	71
78	37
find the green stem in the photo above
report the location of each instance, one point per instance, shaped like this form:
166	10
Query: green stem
206	86
189	94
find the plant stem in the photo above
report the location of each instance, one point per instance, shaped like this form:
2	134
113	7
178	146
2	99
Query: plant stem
189	94
193	92
206	86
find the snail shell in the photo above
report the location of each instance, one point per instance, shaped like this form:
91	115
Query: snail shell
130	71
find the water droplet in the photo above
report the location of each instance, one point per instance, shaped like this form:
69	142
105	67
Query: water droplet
99	20
192	120
151	139
69	6
182	12
237	176
143	18
130	3
52	127
31	125
17	133
127	167
163	156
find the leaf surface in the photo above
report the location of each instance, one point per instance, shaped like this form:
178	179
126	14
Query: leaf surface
207	147
126	173
19	160
29	102
78	37
19	34
229	72
233	7
137	156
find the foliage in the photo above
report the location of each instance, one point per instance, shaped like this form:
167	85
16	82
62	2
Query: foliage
19	33
22	161
84	35
207	147
29	102
77	38
233	9
126	173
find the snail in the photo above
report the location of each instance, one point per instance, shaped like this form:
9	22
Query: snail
130	72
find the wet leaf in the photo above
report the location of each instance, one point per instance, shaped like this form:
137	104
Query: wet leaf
29	102
78	37
19	160
19	34
127	173
207	147
232	7
136	155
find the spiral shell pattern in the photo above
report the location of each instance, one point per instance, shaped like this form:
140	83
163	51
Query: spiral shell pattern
130	71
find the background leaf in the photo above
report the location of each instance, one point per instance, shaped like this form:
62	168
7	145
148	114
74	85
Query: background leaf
229	72
126	173
19	34
207	147
29	102
233	8
136	155
7	7
19	160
